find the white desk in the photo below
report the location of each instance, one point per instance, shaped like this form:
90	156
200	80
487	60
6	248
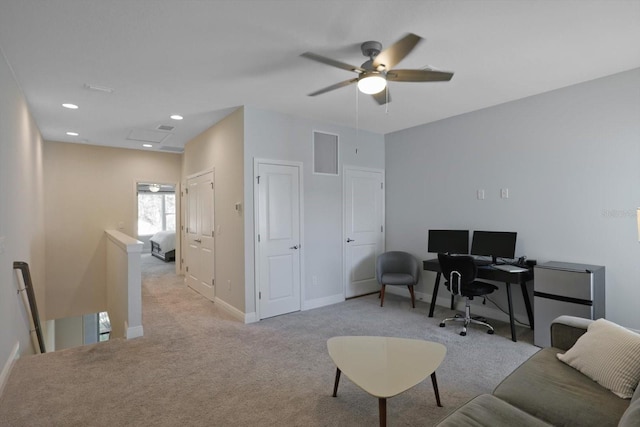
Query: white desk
385	367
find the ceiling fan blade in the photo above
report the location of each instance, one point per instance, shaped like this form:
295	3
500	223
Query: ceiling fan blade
332	62
382	97
419	76
334	87
396	52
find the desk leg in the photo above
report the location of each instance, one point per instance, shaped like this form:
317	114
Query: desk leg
435	388
527	303
435	295
335	386
382	409
513	327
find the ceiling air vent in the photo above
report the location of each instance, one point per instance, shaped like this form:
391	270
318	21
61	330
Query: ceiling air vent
167	128
99	88
145	135
172	149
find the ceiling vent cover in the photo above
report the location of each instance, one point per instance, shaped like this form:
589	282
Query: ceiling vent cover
145	135
172	149
167	128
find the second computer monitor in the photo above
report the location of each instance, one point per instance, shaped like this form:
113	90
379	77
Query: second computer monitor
496	244
448	241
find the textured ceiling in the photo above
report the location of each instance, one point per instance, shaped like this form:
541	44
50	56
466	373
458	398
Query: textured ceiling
202	59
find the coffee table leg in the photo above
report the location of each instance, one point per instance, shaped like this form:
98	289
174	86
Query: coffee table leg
435	388
335	386
382	408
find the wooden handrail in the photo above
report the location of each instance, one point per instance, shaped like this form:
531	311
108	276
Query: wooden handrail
31	296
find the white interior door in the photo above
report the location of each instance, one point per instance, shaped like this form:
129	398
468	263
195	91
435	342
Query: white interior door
200	261
364	229
278	241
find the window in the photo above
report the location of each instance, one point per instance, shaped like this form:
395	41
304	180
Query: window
156	212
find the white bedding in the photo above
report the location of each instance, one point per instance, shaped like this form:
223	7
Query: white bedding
165	239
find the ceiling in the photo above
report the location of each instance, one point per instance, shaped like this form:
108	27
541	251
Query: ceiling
149	59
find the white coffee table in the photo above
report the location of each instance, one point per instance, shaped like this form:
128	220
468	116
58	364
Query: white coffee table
385	367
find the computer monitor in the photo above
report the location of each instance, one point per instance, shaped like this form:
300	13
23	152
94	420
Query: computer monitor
496	244
449	241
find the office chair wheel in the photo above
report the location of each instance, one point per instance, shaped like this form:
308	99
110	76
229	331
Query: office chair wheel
463	334
490	331
442	325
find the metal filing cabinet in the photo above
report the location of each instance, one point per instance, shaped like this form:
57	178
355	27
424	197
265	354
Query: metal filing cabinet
561	288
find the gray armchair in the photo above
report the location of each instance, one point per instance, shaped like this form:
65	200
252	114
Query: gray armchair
398	269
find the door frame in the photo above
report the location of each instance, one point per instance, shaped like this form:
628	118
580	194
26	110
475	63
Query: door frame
345	278
183	227
178	192
256	228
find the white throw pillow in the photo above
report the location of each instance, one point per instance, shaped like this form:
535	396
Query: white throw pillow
608	354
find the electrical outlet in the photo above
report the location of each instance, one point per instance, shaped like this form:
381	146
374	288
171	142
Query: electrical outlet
314	280
480	194
2	245
504	193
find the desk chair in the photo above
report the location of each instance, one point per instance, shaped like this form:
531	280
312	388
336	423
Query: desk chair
398	269
460	274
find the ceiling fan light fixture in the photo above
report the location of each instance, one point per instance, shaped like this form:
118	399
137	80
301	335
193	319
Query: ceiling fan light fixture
372	83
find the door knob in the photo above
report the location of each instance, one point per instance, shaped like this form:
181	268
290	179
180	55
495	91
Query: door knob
350	240
294	247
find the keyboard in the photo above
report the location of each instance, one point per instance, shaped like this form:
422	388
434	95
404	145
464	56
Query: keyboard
509	268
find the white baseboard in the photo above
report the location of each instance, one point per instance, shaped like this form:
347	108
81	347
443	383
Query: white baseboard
134	332
8	366
239	315
321	302
250	317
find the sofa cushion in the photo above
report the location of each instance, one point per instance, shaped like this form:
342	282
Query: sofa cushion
608	354
489	411
560	395
631	417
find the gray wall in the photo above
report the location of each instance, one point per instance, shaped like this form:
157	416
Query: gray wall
570	159
275	136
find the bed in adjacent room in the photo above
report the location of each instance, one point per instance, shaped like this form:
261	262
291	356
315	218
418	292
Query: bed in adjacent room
163	245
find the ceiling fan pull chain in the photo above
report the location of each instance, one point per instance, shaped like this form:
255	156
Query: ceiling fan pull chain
386	105
357	116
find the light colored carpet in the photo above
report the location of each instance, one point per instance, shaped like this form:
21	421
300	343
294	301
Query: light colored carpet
198	366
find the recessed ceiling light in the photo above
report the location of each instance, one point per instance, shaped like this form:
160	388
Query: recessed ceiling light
147	145
70	106
73	133
177	117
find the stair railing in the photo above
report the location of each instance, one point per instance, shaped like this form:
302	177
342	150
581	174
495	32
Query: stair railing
31	296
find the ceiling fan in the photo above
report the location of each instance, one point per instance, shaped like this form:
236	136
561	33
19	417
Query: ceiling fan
374	73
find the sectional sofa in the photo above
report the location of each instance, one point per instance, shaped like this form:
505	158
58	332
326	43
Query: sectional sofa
546	391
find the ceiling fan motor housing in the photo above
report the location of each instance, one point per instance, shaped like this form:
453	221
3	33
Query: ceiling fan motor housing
371	48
